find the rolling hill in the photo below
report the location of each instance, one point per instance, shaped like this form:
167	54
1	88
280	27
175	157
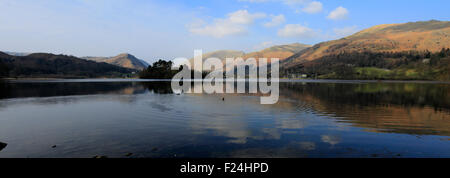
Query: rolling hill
57	66
407	51
122	60
414	36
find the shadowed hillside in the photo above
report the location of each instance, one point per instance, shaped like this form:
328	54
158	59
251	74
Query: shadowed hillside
58	66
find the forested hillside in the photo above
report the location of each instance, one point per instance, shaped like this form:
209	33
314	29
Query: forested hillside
57	66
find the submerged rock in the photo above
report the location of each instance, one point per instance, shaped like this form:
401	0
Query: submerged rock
2	145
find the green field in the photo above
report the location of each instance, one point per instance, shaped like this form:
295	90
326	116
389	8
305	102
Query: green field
416	71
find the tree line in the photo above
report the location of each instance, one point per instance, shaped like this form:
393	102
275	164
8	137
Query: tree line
343	63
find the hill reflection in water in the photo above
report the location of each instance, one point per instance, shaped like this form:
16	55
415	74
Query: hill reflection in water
311	119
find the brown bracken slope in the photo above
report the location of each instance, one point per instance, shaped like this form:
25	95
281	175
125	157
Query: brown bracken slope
414	36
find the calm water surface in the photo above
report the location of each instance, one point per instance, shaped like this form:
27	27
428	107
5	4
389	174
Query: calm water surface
86	118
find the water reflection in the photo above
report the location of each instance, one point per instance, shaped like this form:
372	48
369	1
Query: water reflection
42	89
145	118
376	94
385	107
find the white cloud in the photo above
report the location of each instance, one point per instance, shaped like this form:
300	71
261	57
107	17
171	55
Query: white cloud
313	7
218	29
296	30
307	6
295	2
346	31
236	23
243	17
338	14
263	45
276	20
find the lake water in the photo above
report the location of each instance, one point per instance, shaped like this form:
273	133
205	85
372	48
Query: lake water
136	118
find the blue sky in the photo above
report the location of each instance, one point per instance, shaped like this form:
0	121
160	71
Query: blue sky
169	29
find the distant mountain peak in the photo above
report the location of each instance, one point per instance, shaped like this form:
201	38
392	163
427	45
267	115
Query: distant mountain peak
128	55
123	60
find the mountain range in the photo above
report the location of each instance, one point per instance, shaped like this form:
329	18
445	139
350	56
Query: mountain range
412	51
